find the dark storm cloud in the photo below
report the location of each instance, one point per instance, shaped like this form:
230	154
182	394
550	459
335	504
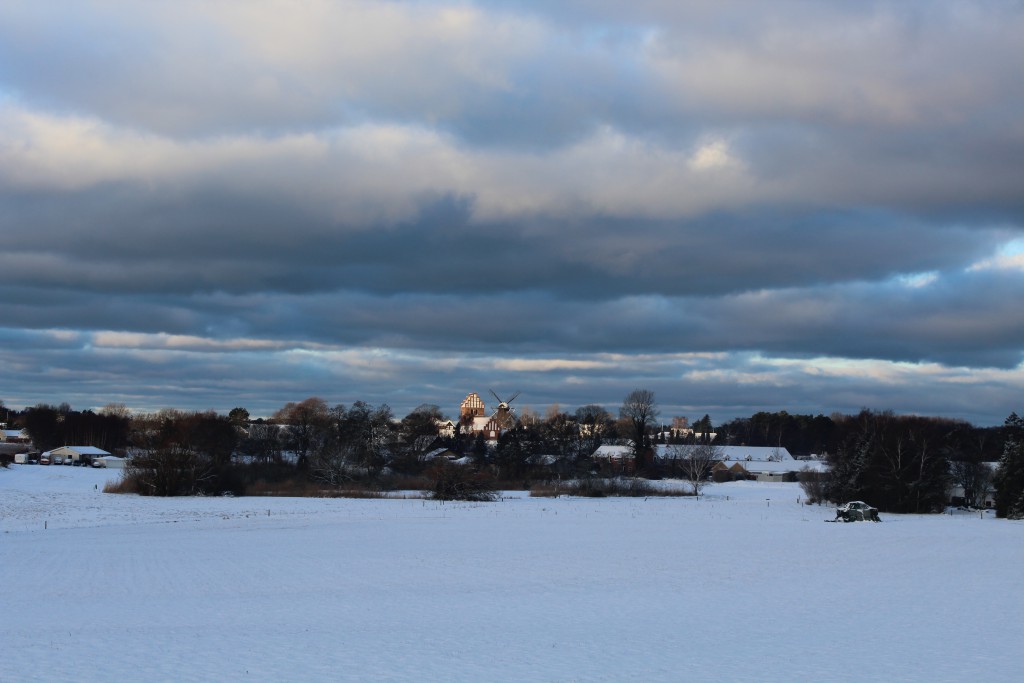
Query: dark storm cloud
126	241
941	319
411	200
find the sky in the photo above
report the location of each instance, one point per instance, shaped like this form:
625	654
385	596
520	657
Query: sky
741	206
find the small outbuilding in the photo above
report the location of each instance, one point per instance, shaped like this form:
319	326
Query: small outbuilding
111	461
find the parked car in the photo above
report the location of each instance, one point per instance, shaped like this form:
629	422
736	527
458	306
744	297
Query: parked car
58	460
44	460
96	462
857	511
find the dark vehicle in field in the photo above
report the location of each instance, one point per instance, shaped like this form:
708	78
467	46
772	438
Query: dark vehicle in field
857	511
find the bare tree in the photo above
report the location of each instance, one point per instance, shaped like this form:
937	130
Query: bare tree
264	442
367	434
814	484
973	476
115	410
639	411
595	422
334	462
419	429
308	422
171	470
696	462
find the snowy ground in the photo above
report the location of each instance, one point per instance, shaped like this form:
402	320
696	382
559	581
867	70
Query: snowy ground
733	587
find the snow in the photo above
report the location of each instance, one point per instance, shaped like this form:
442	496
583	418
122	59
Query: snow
80	450
743	454
743	584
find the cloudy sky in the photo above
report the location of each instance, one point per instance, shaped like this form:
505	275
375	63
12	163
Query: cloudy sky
741	206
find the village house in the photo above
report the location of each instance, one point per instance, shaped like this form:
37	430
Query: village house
758	463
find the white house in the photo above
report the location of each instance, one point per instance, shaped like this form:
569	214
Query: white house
613	454
445	428
763	463
14	436
77	453
956	491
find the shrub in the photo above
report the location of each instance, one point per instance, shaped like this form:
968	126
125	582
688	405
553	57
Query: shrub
304	488
296	487
595	487
404	482
128	482
171	471
221	480
814	485
449	481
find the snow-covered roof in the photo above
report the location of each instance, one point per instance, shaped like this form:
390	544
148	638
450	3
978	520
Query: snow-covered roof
730	453
436	453
779	467
88	450
610	451
79	450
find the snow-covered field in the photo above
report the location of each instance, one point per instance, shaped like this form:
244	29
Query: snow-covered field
743	585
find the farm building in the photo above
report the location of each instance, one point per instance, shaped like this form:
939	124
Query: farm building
14	436
768	470
77	453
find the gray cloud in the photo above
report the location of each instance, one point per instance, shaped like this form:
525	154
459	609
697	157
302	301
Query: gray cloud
413	199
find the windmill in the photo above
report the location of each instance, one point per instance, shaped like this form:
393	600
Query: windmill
504	416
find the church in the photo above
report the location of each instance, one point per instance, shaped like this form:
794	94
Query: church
474	420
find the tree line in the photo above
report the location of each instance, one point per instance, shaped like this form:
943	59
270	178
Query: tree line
899	463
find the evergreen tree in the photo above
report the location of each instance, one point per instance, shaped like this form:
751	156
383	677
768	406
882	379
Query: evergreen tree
479	450
1009	477
512	453
846	471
